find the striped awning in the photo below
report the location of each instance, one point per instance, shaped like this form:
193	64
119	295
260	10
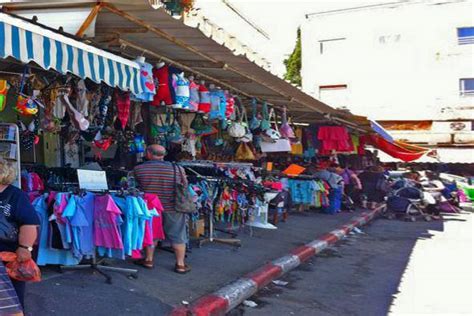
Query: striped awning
28	42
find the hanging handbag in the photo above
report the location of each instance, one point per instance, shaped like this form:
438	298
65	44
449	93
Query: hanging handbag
286	130
272	141
297	147
266	121
201	128
8	230
183	200
254	121
238	128
271	134
244	152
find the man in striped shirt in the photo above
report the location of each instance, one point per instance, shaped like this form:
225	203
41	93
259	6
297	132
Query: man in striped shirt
159	177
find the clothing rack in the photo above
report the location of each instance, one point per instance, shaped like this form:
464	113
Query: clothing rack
100	266
210	238
213	164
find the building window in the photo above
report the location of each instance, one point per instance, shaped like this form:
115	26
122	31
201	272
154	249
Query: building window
466	86
330	45
466	35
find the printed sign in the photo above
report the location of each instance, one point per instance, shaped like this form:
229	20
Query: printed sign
92	180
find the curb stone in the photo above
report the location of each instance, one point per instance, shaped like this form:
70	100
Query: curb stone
233	294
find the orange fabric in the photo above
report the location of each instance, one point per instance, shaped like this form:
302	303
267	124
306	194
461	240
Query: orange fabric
406	125
294	170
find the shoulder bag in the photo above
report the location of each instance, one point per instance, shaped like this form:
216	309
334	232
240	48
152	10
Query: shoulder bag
183	200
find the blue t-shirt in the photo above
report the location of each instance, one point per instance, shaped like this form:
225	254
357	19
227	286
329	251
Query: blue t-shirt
17	209
80	213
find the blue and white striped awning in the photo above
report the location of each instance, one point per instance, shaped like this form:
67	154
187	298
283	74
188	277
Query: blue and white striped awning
27	42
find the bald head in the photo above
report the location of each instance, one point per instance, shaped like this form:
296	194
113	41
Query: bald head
155	152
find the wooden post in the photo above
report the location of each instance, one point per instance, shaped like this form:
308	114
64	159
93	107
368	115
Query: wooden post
87	22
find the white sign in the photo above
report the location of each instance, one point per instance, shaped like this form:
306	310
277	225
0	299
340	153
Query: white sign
92	180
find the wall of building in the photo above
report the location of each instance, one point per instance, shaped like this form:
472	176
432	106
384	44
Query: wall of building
393	62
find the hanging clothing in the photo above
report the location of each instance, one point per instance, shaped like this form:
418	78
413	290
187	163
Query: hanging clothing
182	91
80	214
193	96
334	138
204	99
147	83
122	99
107	221
46	254
163	93
218	104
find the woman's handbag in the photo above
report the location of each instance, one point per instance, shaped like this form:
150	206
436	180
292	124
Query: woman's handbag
254	122
266	120
8	230
286	130
238	128
183	200
244	152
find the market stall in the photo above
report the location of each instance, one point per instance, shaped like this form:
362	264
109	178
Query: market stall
75	107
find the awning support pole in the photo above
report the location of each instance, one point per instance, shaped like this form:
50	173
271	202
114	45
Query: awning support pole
90	18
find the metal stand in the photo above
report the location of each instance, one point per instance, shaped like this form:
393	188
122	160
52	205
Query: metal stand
226	241
101	268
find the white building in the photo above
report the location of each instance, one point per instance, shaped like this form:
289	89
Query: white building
411	60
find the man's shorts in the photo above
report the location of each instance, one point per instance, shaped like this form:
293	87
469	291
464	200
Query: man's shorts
175	227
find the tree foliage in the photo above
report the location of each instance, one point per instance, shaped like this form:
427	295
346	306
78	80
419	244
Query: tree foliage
293	63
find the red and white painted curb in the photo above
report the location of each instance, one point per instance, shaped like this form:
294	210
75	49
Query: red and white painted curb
228	297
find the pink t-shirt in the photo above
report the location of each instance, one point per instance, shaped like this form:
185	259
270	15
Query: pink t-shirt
106	223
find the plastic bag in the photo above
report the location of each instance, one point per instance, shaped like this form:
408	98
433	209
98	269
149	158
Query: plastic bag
26	271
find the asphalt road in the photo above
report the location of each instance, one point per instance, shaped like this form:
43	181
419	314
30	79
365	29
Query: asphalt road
156	291
395	267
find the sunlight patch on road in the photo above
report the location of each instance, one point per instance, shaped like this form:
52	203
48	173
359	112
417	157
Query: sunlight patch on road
438	278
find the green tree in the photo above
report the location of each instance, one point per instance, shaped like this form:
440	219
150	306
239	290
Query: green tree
293	63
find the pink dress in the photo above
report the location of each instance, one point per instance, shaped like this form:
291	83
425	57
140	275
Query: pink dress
106	223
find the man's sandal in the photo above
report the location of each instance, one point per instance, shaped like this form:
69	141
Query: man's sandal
182	269
144	263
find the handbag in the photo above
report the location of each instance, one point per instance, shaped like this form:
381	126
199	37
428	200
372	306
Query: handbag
271	135
266	121
286	130
297	147
254	121
183	200
238	128
201	128
8	230
244	152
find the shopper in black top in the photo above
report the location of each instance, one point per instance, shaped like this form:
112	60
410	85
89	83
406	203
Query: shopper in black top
18	221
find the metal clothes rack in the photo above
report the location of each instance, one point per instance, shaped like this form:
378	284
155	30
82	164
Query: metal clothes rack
211	230
100	266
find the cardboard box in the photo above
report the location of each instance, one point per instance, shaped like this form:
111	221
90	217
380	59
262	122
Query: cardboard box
196	229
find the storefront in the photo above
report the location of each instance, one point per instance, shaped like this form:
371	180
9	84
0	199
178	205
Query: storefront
233	126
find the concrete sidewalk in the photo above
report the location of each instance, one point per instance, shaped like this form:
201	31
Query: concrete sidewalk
157	291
